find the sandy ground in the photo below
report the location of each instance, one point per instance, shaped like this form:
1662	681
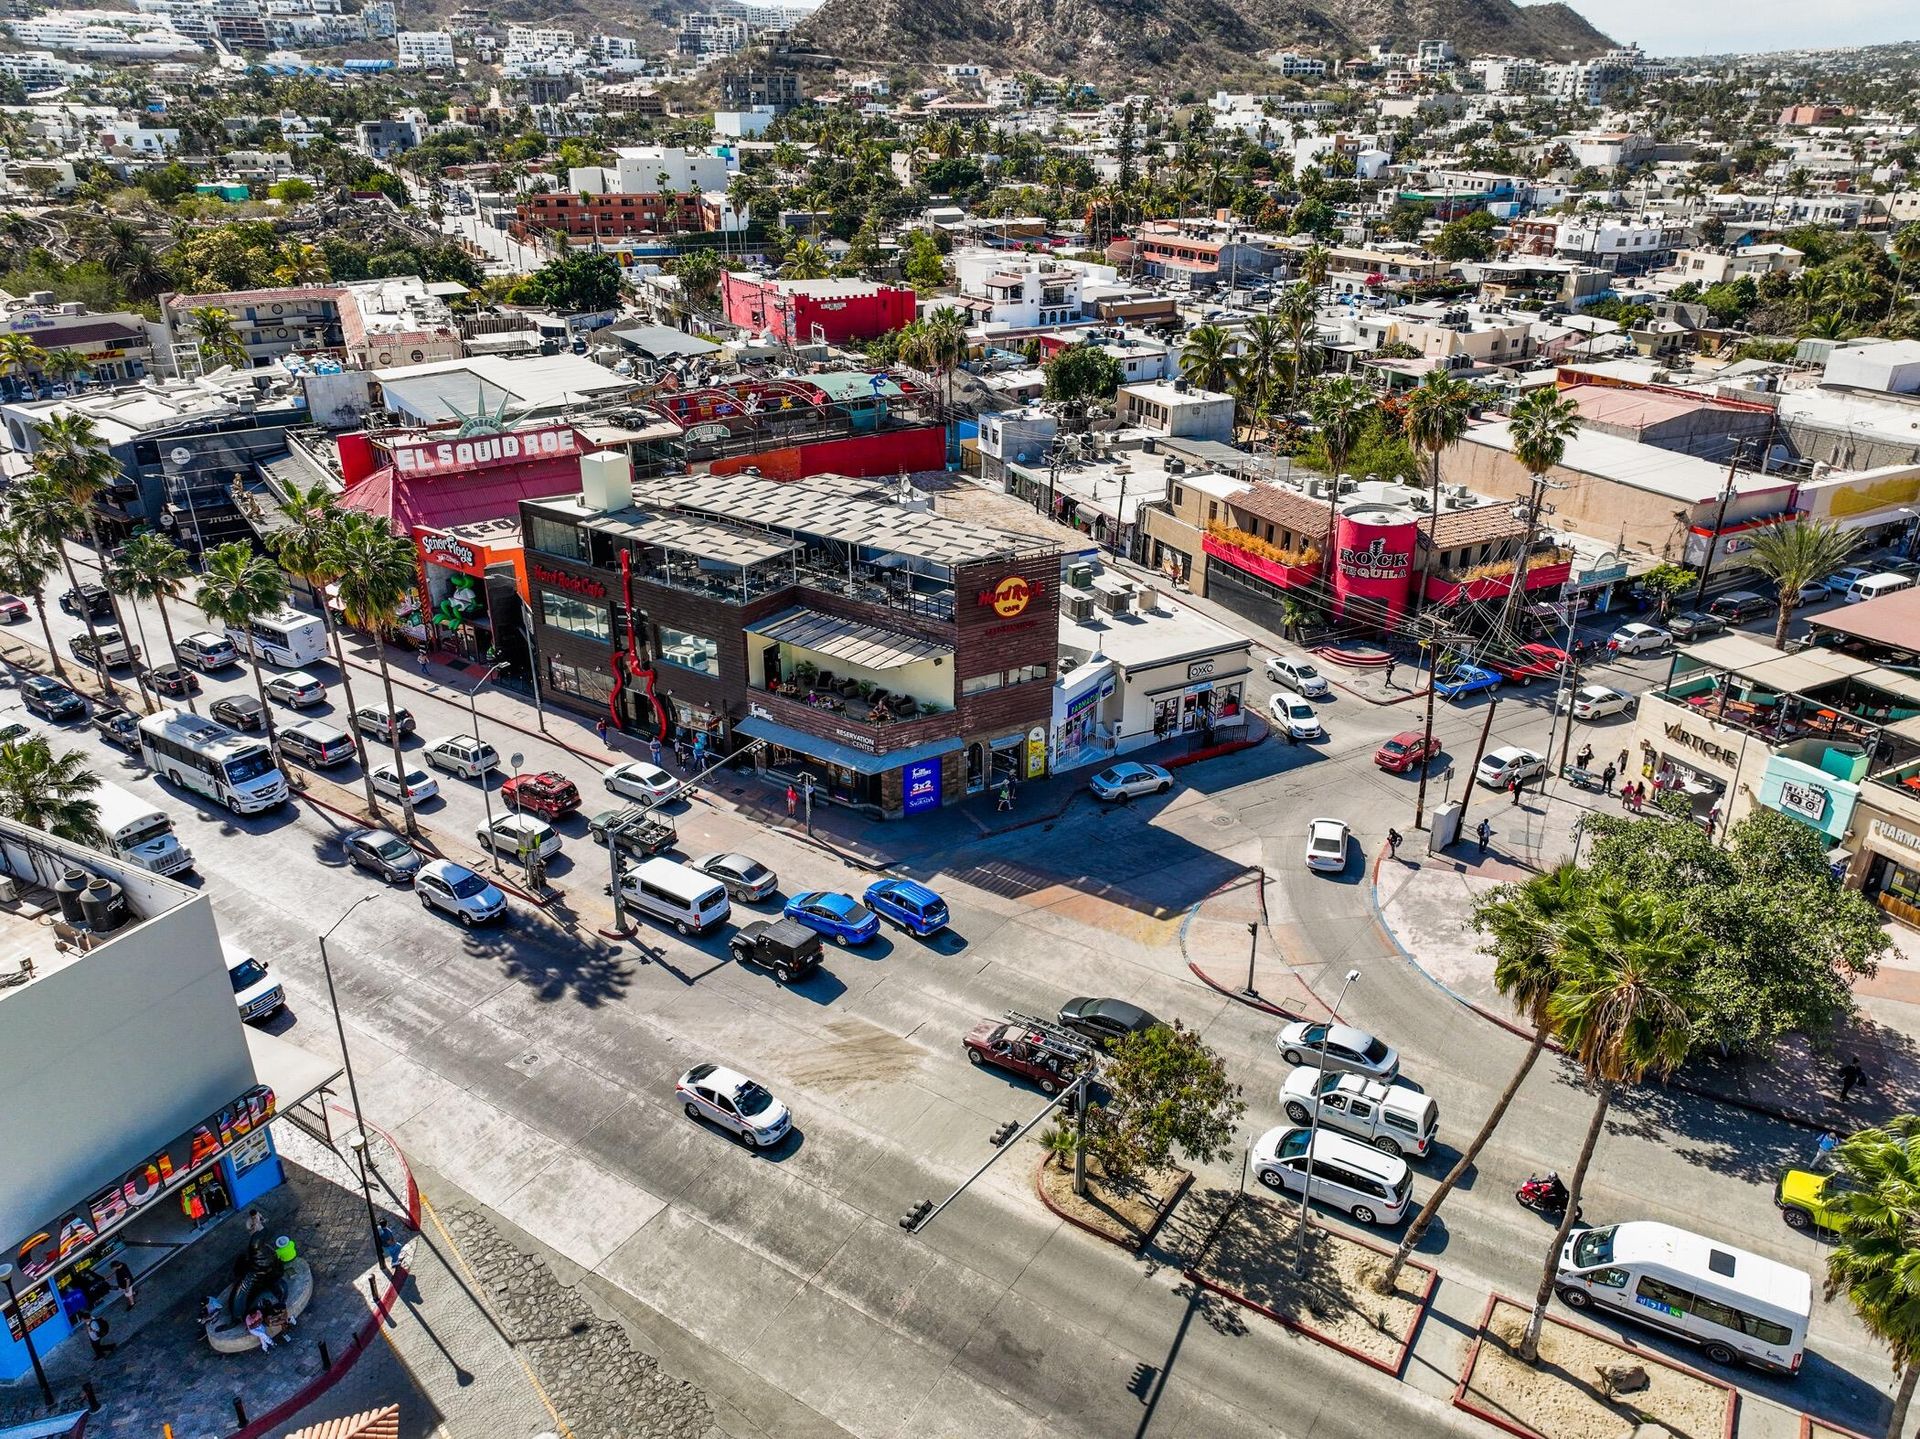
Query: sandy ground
1561	1399
1125	1213
1254	1257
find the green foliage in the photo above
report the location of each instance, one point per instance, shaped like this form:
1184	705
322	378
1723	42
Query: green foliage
1874	1261
1377	449
291	190
1468	238
1169	1096
699	275
575	283
48	792
1784	938
960	177
1667	582
1312	216
921	261
1407	218
87	281
1080	375
168	182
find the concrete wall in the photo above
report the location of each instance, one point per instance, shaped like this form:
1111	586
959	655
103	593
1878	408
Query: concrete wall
108	1059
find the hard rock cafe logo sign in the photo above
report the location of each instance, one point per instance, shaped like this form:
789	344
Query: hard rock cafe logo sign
1010	597
1376	561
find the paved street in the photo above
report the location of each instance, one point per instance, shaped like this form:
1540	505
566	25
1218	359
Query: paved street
533	1066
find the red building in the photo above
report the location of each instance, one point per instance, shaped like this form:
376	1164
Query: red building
801	312
613	217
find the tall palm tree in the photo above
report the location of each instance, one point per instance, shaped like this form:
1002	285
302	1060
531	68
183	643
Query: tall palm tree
1795	555
48	792
237	587
1525	925
806	261
1537	432
1852	292
1905	248
213	332
1623	1006
40	510
26	564
939	344
1809	291
1340	406
1437	413
76	459
153	567
1297	312
305	549
19	357
1207	359
377	573
63	366
1261	360
1875	1261
1315	261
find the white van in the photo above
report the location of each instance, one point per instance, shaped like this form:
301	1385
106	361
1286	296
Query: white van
1736	1306
1874	586
138	833
664	889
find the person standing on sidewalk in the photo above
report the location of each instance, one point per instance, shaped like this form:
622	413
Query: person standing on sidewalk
1607	777
96	1329
123	1280
392	1246
1392	665
600	728
793	800
1393	844
653	748
1485	835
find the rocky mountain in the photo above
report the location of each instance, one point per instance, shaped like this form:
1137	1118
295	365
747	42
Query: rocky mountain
1121	38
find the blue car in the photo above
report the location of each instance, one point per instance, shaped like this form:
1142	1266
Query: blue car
840	917
908	905
1464	679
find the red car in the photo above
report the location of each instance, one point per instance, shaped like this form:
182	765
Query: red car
12	608
1532	662
1022	1051
1405	751
546	794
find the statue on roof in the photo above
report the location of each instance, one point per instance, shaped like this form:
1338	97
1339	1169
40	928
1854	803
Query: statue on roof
482	421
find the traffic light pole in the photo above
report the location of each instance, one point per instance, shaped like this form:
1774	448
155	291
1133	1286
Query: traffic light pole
921	1214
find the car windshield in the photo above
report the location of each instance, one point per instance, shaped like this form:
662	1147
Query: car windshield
1393	746
1306	672
1594	1246
1376	1051
416	776
749	870
1294	1145
249	766
247	974
752	1099
467	886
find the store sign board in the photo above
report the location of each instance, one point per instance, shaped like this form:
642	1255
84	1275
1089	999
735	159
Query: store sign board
574	584
1036	752
1712	749
1809	801
1887	832
446	550
1200	669
1374	561
447	457
142	1185
920	782
1010	597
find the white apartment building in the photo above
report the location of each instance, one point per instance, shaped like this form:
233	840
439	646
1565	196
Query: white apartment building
1433	57
1842	211
377	20
109	34
424	49
41	70
1017	291
652	169
1610	241
961	74
1292	65
709	36
1506	74
1006	92
1714	267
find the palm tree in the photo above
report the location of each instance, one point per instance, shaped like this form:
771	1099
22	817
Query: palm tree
1260	362
305	549
48	793
1297	312
1340	406
1905	246
1537	432
42	512
377	573
26	564
213	332
19	357
77	460
1622	1006
1438	411
1525	925
64	367
806	261
939	343
237	587
1796	555
1874	1260
1315	261
1852	291
152	567
1809	292
1207	358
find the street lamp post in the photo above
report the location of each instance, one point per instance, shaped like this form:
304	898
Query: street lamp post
1313	1130
26	1334
358	1143
473	707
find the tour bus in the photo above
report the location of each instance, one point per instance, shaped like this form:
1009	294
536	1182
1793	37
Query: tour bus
199	754
287	638
1736	1306
139	833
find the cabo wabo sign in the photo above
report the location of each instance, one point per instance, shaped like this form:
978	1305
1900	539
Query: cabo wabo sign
139	1187
446	457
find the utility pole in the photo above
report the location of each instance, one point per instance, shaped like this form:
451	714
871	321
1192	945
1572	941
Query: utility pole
1571	682
1719	521
1536	495
1479	750
1431	644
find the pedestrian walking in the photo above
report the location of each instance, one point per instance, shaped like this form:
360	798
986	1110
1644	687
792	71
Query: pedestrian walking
600	728
1484	834
1392	665
122	1280
680	754
1607	777
96	1329
1620	766
1005	797
1513	790
424	659
699	751
793	800
392	1246
1585	757
1823	1149
1851	1076
194	1207
1393	843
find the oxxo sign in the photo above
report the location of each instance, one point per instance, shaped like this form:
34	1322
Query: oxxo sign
485	451
1200	669
1010	597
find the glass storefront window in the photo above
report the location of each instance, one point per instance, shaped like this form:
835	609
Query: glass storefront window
595	686
688	650
556	537
577	616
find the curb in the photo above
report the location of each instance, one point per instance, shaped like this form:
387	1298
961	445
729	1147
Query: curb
1172	1201
1807	1421
1520	1431
1238	996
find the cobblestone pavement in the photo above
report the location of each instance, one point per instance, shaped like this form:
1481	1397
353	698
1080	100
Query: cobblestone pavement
162	1371
596	1381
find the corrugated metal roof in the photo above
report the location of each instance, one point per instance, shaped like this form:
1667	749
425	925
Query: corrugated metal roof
865	645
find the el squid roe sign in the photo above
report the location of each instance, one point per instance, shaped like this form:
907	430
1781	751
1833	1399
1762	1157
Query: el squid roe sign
1373	562
481	452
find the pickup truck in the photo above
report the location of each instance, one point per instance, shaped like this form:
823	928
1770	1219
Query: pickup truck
784	946
642	834
117	727
114	647
1532	662
1464	679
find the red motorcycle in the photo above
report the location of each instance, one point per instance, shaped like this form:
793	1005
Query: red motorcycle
1545	1194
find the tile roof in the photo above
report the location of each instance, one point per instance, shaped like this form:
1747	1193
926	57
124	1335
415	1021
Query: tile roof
1476	526
372	1424
1284	507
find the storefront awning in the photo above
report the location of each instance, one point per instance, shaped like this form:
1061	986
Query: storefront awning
851	641
292	1073
845	756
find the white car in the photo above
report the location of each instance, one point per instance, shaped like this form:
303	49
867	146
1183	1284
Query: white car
1371	1185
1508	763
1393	1118
456	890
256	992
419	785
379	721
1591	702
737	1104
296	689
462	755
1296	716
1127	779
1327	845
636	779
517	835
1639	639
1840	581
1297	675
1337	1046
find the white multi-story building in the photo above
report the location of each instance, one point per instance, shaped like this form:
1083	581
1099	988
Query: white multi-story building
1843	211
1613	241
1506	74
1433	57
41	70
109	34
1017	291
377	20
713	35
652	169
1006	92
1292	65
424	49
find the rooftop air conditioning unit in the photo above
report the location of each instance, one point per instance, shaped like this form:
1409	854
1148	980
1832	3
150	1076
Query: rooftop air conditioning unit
1316	489
1176	466
1347	484
1146	599
1116	601
1080	577
1079	606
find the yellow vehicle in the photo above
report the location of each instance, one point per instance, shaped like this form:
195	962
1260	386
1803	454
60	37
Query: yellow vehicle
1811	1201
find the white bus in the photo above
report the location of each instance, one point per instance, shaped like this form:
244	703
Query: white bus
1734	1305
288	638
137	832
197	754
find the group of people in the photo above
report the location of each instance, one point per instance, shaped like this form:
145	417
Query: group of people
687	755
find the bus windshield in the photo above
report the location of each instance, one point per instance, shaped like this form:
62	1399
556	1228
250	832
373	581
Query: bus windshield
158	827
1593	1247
249	766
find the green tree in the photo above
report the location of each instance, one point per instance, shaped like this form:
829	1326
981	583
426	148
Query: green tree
1469	238
577	283
923	265
167	183
1436	417
938	344
27	562
699	274
1622	1006
376	575
1667	582
1296	310
291	190
1341	407
1538	429
48	792
1875	1261
75	461
237	587
218	341
20	357
1207	359
1168	1093
805	261
1081	374
1795	555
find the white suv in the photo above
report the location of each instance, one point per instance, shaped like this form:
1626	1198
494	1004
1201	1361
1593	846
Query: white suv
517	835
1374	1188
462	755
1390	1117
